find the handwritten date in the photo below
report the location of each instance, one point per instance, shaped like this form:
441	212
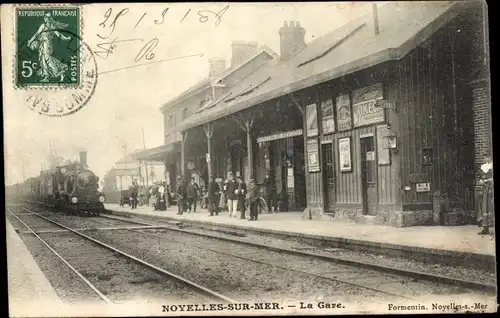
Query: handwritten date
110	19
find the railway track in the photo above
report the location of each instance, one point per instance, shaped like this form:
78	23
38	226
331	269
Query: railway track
477	286
381	279
95	263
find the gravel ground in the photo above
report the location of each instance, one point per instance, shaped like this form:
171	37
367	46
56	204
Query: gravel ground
76	222
33	221
115	276
407	286
235	278
459	272
59	274
267	281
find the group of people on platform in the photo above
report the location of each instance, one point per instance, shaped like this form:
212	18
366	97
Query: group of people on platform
231	195
131	196
236	197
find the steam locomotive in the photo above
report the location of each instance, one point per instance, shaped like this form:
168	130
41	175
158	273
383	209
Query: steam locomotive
71	188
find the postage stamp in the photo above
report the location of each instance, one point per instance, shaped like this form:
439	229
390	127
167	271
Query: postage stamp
47	42
50	55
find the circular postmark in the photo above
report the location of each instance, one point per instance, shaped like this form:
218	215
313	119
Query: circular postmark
66	80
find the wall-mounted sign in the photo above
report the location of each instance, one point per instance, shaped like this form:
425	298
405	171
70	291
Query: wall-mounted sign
327	117
384	156
280	135
343	104
423	187
313	155
290	178
191	165
312	120
370	156
363	106
345	154
384	103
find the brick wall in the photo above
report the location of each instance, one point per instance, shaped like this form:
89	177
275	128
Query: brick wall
481	112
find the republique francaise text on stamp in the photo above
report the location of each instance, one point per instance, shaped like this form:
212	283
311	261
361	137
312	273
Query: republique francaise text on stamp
51	56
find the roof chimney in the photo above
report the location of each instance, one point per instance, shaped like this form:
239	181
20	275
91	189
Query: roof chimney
375	18
83	158
241	51
216	66
292	39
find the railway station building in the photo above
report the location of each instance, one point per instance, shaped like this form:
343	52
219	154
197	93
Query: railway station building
384	120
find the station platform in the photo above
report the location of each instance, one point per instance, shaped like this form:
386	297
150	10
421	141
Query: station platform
30	293
447	240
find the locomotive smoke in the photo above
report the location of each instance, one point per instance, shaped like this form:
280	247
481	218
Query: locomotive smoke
83	158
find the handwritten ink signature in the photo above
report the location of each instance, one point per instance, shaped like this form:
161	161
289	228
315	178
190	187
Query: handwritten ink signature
145	53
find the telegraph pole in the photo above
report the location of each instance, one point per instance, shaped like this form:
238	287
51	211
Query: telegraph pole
145	161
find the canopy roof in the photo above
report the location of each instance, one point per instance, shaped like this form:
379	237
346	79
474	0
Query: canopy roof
353	47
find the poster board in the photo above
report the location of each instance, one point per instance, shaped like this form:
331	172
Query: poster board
312	120
363	106
313	155
344	118
345	160
327	117
384	155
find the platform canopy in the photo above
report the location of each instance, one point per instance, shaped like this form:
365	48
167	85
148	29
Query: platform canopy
154	154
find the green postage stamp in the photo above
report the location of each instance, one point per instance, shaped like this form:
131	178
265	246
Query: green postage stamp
51	55
47	46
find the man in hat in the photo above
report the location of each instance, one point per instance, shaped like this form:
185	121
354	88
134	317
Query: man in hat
134	194
192	195
241	192
270	186
252	200
213	190
181	195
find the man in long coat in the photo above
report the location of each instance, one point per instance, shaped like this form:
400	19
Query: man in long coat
181	195
251	199
241	192
213	196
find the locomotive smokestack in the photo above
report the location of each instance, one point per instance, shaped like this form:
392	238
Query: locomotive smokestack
83	158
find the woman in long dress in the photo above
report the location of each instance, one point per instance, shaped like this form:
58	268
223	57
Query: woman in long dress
486	217
42	41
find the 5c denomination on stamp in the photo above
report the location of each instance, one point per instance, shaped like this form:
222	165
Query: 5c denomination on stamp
55	72
46	53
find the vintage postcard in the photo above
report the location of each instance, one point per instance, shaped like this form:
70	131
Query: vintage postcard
248	159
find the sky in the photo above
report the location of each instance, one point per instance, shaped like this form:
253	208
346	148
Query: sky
128	96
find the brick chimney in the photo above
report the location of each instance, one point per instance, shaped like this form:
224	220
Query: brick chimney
216	66
375	19
241	51
292	39
83	158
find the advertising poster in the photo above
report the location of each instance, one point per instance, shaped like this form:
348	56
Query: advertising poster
345	154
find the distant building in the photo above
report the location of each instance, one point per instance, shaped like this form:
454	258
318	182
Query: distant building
129	169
